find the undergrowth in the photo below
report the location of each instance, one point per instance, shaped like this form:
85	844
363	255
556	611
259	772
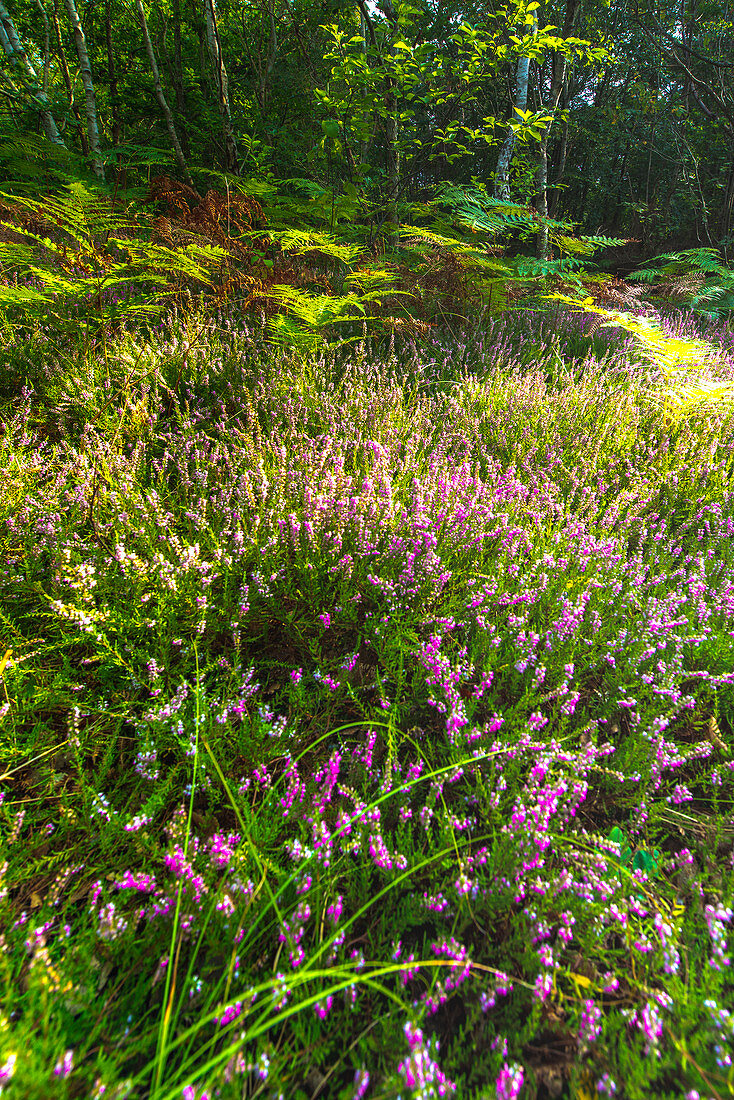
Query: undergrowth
367	717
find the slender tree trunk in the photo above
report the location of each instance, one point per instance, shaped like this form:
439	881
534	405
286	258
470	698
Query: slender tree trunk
13	47
726	213
520	103
559	68
392	155
392	148
46	46
67	81
214	42
179	89
162	102
390	128
621	175
557	81
85	70
264	63
559	169
112	77
364	142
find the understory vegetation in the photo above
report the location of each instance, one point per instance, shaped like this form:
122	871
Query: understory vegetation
366	550
367	712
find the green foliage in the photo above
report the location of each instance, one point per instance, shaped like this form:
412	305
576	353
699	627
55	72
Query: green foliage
683	363
642	860
697	277
81	262
30	165
474	210
323	245
237	570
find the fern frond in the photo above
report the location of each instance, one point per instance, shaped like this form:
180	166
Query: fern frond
372	280
34	163
695	275
688	262
300	241
317	310
685	286
308	187
605	242
673	356
528	267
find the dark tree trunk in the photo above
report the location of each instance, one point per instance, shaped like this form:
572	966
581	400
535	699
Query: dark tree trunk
160	96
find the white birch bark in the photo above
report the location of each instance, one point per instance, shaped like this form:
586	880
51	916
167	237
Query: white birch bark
502	172
13	47
90	100
46	46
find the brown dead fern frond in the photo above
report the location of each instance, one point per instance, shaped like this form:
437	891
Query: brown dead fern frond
408	326
684	286
223	219
617	294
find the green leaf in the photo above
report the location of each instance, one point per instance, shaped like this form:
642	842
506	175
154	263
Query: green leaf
646	861
617	837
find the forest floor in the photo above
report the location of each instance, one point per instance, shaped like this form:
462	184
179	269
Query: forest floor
367	719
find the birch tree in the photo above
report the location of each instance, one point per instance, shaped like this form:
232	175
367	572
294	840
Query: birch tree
61	58
90	100
112	78
14	50
520	103
392	148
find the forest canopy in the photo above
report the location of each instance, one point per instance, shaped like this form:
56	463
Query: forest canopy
615	117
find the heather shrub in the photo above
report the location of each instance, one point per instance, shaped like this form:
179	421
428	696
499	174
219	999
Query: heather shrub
367	719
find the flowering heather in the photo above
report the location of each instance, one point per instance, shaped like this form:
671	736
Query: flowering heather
367	719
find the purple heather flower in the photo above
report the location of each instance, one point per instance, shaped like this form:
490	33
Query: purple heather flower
510	1082
65	1065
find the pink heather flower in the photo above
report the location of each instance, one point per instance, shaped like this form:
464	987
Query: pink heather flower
334	911
296	675
326	620
189	1093
7	1069
323	1008
509	1082
361	1084
420	1069
64	1065
590	1027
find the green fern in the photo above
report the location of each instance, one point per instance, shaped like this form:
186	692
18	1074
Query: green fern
300	241
680	263
307	319
476	211
30	164
683	363
71	278
529	267
697	277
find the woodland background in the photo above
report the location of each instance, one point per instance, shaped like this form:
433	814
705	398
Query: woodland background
617	117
